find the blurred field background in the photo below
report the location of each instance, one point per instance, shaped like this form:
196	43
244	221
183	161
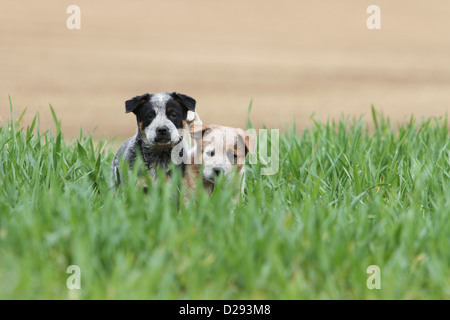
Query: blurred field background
293	58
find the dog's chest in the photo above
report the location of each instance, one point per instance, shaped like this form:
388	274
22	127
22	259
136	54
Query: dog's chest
156	159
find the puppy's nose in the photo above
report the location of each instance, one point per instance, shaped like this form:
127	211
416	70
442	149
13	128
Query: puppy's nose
217	171
162	130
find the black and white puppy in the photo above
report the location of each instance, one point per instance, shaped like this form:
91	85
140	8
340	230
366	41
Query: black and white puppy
161	119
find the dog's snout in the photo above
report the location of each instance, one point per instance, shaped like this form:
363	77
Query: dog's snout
162	130
217	171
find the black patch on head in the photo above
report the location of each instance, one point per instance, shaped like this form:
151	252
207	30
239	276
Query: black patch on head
133	104
184	100
176	113
176	109
145	114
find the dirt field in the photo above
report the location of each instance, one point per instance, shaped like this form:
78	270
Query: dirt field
293	58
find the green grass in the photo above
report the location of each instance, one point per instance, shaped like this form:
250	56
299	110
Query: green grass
345	198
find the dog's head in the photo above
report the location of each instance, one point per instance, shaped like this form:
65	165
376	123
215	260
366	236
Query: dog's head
221	150
161	117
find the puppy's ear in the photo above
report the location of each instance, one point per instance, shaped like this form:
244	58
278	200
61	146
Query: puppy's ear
132	104
250	143
186	101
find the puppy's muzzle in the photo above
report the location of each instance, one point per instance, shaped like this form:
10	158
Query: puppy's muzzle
162	135
217	171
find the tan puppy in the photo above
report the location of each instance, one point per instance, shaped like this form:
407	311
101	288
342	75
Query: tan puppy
217	150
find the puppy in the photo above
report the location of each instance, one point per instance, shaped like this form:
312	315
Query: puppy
217	150
161	120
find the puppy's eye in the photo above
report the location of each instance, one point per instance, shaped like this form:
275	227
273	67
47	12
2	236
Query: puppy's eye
173	115
152	114
211	153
